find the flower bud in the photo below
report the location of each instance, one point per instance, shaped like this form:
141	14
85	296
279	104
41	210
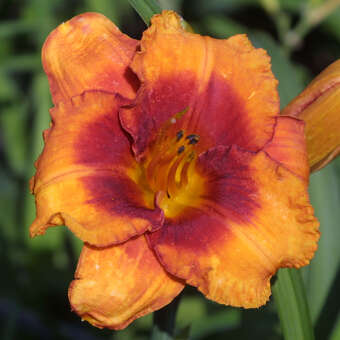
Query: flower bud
319	107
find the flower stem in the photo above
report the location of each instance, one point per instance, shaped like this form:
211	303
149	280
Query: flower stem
164	321
290	299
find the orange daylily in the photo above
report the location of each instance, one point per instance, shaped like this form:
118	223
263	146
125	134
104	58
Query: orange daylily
169	159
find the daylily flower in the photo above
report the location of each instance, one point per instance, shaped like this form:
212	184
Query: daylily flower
169	159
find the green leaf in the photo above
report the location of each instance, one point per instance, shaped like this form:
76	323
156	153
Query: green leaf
164	321
9	89
146	9
290	299
41	104
293	5
12	28
175	5
216	323
335	335
192	309
8	211
13	120
118	10
22	63
332	24
325	198
45	13
200	8
222	27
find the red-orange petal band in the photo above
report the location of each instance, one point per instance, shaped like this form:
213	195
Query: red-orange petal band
84	176
221	90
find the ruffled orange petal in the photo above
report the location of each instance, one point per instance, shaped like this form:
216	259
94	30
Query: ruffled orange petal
116	285
288	146
319	106
252	218
222	90
85	175
88	52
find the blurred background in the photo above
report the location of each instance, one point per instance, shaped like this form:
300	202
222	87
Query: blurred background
302	37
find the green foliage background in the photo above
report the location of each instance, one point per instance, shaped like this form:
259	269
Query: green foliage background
35	273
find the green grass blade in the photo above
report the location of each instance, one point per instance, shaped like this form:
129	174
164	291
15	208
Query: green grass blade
325	198
290	299
41	103
146	9
118	11
335	335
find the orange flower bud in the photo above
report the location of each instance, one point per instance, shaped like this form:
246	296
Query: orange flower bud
319	106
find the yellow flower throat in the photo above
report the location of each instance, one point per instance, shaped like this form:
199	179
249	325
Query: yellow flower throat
167	167
168	171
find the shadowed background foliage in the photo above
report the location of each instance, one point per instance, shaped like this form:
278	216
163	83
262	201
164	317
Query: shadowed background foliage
35	273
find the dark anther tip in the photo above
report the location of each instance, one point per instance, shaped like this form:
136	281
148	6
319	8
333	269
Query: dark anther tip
193	139
179	135
180	149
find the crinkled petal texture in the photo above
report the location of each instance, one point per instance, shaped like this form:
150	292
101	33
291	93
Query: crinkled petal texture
114	286
224	89
252	218
88	52
84	176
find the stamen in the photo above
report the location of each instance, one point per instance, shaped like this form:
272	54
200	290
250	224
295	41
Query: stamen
168	163
179	135
176	173
180	149
193	139
185	172
172	185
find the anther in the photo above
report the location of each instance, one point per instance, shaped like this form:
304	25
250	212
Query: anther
191	156
179	135
180	149
193	139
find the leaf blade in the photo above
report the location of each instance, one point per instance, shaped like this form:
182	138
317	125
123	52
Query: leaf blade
291	302
146	9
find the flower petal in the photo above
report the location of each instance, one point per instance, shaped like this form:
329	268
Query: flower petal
225	87
84	176
116	285
319	105
88	52
253	218
288	146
